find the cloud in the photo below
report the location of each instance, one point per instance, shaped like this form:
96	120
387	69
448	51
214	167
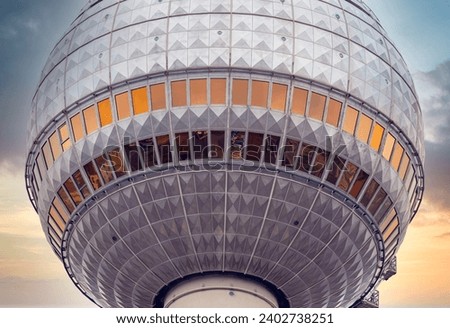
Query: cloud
444	236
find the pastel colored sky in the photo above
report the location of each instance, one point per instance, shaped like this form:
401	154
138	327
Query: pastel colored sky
32	276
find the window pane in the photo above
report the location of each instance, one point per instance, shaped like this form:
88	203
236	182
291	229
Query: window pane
365	124
377	201
200	144
55	145
73	192
390	229
240	92
55	217
397	156
90	120
117	162
94	178
271	149
347	177
359	183
61	209
81	184
237	144
140	101
351	116
217	144
290	152
183	148
370	192
388	145
260	92
77	127
132	154
320	162
105	169
377	136
218	91
148	152
317	106
64	132
122	105
198	92
299	100
254	146
165	154
105	113
46	151
279	92
158	93
383	209
179	93
387	220
336	169
307	153
55	238
334	112
404	166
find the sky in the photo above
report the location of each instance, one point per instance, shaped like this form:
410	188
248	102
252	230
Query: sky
32	276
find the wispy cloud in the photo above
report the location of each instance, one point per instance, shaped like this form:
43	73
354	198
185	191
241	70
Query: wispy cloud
445	235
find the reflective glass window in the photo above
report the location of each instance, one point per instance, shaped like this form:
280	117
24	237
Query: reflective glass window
388	146
383	209
165	154
299	99
306	157
183	147
81	184
117	162
336	169
279	93
56	218
158	96
320	162
55	237
271	149
377	201
387	220
61	209
73	192
397	156
364	127
359	183
254	146
66	143
240	92
348	175
198	92
217	144
237	140
390	229
104	168
105	112
290	152
369	193
37	171
409	178
132	155
46	151
260	93
351	115
404	166
55	145
66	200
93	176
148	152
77	127
218	91
377	136
40	161
200	139
334	112
178	93
123	105
90	120
140	100
317	106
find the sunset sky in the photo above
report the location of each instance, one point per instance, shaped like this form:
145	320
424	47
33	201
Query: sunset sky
32	276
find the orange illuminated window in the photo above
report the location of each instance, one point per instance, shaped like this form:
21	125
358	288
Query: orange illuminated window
404	166
334	112
260	92
77	127
397	156
61	209
122	106
179	93
140	101
158	93
66	200
198	92
317	106
390	229
48	157
364	127
218	91
90	120
377	136
165	155
73	192
299	100
279	92
55	145
388	146
57	219
351	115
94	178
66	143
240	92
359	184
105	113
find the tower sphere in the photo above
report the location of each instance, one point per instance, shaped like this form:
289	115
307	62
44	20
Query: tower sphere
277	144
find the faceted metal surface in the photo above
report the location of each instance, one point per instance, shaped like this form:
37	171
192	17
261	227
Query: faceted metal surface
133	235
